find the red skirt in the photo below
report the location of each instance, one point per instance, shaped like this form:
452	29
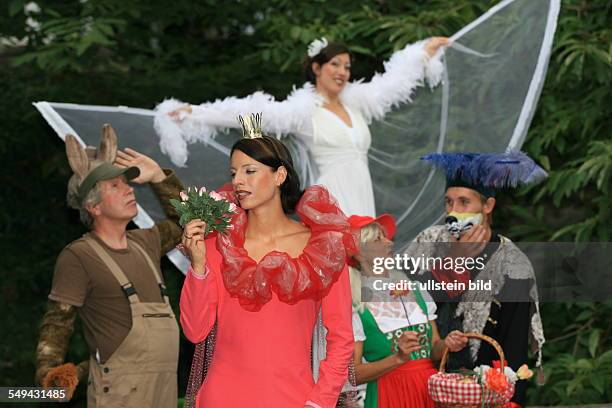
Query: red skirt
406	386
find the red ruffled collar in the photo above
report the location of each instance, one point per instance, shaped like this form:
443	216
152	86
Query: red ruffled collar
310	275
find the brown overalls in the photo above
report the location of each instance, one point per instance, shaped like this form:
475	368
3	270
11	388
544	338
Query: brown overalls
142	371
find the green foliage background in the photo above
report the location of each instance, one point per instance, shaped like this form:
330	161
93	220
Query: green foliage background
136	52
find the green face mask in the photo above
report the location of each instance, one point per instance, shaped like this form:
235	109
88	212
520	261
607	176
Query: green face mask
457	223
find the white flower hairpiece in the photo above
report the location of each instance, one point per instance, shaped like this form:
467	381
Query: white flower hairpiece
315	47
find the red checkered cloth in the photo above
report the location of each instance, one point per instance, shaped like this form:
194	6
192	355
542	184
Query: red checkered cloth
446	388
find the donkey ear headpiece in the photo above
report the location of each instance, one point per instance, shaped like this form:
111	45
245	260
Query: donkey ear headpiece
84	160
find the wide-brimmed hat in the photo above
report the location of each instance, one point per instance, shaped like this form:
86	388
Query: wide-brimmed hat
386	221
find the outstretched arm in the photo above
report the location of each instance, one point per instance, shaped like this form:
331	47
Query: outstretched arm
178	123
404	72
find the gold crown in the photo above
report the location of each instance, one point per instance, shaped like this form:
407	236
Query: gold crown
251	125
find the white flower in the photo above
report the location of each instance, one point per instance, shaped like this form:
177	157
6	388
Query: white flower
184	197
202	191
482	370
512	377
31	7
315	47
233	208
230	227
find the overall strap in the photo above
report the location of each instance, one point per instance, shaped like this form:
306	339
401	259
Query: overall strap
160	283
126	285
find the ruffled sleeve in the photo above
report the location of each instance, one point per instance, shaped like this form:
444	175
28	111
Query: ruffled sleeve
404	71
293	115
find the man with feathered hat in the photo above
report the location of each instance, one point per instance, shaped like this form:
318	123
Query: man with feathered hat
507	308
111	277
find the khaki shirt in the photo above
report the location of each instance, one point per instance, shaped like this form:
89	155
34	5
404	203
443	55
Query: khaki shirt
81	279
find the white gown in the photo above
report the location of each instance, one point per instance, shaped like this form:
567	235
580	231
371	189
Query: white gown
339	152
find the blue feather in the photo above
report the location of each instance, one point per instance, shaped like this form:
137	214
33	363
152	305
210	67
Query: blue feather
491	170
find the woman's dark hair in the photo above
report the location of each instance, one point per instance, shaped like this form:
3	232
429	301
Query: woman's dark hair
273	153
323	57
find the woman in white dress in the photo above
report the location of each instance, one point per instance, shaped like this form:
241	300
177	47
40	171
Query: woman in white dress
328	114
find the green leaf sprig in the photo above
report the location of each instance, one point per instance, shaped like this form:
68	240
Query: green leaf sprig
210	207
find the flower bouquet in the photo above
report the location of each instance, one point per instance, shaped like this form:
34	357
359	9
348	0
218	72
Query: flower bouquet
209	207
482	387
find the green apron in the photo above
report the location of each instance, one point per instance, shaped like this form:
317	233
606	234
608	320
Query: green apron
379	345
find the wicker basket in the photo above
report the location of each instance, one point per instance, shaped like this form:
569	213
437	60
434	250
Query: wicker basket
448	391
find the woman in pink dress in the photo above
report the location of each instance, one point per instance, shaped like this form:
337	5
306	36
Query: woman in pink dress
264	283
